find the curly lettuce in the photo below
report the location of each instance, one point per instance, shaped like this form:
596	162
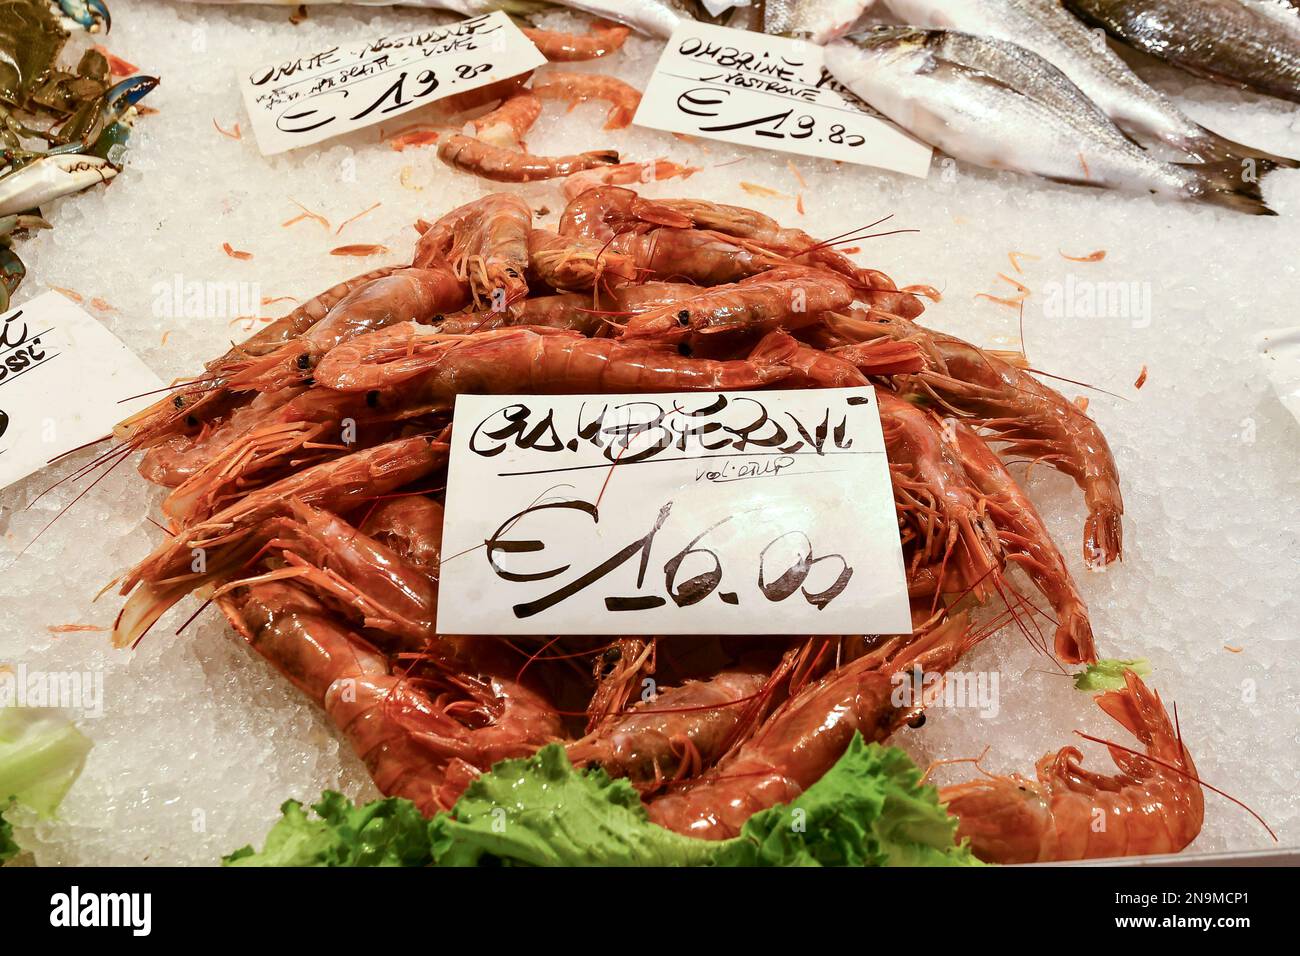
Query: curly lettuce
870	809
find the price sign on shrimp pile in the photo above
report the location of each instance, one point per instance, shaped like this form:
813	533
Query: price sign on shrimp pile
732	513
65	380
326	92
771	92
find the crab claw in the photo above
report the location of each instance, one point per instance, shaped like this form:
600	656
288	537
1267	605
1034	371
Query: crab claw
124	94
88	14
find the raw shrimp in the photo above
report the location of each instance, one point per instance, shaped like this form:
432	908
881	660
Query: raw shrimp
802	739
624	174
932	489
210	548
603	212
1151	806
411	525
575	88
485	242
416	745
786	299
187	405
572	262
766	233
499	164
568	311
407	295
694	255
1036	421
810	368
520	360
350	571
601	39
619	670
224	458
506	125
574	311
1026	542
677	733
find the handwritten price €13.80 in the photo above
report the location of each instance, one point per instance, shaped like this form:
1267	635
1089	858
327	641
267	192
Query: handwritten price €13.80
398	95
704	102
776	579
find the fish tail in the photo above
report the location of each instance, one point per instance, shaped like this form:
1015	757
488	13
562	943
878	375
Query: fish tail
1231	185
1212	147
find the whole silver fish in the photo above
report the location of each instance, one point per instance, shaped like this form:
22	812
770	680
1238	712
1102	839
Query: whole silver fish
1045	27
996	104
819	20
656	17
1252	42
466	8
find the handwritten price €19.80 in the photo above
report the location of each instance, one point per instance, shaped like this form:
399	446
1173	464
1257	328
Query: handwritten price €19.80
775	583
704	102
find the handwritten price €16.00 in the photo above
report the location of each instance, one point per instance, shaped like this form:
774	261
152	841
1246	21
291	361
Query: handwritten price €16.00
774	583
704	102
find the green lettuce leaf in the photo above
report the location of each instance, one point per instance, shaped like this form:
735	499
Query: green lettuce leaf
8	848
387	832
1108	673
870	809
41	754
540	811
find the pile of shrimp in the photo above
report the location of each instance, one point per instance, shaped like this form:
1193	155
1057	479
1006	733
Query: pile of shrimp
306	473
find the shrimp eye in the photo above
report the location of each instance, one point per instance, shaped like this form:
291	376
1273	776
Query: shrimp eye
684	317
178	401
612	655
917	722
304	361
372	398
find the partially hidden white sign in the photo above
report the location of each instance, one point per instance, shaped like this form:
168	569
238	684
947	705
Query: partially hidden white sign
65	380
732	513
333	90
771	92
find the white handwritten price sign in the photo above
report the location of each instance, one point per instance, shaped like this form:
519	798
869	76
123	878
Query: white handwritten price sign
771	92
65	380
327	92
734	513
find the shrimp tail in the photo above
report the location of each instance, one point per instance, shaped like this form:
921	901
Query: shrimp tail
1103	532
